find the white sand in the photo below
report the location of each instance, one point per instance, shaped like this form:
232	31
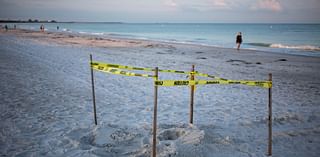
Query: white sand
46	103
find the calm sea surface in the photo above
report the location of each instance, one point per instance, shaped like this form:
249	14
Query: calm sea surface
297	39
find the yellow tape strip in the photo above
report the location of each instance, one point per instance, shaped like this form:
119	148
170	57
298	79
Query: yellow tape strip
117	71
147	69
118	66
114	69
263	84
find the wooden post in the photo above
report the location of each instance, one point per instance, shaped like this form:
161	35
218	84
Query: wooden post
93	93
154	145
270	119
191	96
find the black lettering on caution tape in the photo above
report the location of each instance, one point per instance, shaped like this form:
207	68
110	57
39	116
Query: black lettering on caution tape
212	82
113	66
158	83
135	68
223	79
100	67
234	82
181	83
113	70
179	72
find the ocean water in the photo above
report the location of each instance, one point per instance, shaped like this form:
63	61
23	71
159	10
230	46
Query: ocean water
296	39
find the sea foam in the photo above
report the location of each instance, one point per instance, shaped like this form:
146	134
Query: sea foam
299	47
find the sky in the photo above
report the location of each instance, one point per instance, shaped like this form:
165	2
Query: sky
172	11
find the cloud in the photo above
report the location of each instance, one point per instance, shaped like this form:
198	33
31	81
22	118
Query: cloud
219	3
199	6
272	5
170	3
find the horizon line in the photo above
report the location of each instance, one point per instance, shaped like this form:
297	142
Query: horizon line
121	22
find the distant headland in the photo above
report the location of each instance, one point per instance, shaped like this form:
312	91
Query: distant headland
48	21
27	21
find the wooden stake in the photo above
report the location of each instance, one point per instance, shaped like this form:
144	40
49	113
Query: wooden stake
93	93
154	145
191	97
270	119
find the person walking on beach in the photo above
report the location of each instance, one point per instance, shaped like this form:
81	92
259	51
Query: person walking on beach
42	28
238	40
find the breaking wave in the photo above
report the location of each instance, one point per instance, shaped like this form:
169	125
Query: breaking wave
298	47
91	33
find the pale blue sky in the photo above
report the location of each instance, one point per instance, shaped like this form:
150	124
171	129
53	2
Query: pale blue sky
207	11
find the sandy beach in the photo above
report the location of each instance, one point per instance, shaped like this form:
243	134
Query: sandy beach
46	101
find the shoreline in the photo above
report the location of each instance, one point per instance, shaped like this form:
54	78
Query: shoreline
108	41
242	56
262	37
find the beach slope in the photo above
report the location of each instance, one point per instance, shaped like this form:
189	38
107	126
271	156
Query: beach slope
46	101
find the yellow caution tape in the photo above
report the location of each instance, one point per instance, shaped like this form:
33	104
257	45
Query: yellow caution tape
136	68
117	71
264	84
108	65
118	66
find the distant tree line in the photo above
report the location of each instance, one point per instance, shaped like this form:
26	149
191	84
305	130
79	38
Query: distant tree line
28	21
50	21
